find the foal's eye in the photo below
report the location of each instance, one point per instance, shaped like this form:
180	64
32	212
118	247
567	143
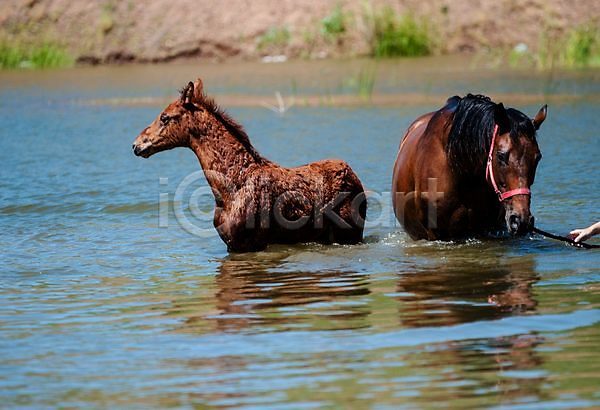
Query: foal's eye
503	157
164	119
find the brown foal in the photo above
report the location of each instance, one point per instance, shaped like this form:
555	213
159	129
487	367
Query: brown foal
258	202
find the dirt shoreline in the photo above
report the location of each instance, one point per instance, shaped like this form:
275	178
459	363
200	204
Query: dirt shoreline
109	31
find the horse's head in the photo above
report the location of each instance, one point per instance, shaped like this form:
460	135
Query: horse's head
514	159
171	128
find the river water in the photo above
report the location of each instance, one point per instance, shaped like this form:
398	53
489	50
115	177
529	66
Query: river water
107	300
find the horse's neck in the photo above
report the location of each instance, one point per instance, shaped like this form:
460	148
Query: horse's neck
224	159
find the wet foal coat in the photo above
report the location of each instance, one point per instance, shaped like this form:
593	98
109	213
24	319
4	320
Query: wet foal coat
258	202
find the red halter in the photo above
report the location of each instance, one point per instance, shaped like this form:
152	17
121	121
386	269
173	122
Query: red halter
489	174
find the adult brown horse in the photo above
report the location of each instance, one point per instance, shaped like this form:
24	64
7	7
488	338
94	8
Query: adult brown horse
257	201
466	170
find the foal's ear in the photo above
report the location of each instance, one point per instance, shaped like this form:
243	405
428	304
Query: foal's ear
187	93
501	118
198	90
540	117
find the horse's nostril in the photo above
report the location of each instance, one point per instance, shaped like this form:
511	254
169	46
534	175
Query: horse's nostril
513	222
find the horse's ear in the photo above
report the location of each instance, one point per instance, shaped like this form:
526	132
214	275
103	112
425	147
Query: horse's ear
187	93
540	117
198	90
501	118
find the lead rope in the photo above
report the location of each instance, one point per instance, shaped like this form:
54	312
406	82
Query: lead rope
564	239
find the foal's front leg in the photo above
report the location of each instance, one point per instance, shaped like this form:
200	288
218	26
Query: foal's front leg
240	238
240	226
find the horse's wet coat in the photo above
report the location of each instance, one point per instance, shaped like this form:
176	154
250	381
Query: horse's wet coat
439	185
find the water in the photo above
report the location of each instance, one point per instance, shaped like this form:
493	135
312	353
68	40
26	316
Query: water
101	307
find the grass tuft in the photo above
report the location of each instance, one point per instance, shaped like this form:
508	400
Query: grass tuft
334	25
49	56
582	47
275	37
363	82
366	82
46	55
10	56
577	48
399	35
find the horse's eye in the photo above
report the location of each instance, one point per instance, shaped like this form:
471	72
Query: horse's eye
538	158
164	119
503	158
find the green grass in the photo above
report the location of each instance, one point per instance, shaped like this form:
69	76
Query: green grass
46	55
582	47
276	37
399	35
334	25
363	82
577	48
10	56
366	82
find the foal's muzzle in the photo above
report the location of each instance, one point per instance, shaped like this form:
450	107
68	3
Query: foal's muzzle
144	150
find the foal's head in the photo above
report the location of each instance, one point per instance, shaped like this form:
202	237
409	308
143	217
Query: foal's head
515	156
171	128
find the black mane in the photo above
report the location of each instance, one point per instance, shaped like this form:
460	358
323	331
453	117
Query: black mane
472	126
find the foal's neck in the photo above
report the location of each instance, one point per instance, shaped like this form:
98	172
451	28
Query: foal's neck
225	160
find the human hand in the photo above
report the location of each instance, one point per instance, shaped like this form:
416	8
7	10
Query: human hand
579	235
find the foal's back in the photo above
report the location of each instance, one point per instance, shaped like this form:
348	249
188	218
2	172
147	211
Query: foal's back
327	193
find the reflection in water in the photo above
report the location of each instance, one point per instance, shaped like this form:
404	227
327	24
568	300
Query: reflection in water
258	293
266	294
454	292
518	364
459	291
256	296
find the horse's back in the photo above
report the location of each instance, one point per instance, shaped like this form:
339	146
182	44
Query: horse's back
409	143
421	150
420	158
403	176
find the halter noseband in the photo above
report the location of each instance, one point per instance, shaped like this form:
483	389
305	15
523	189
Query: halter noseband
489	175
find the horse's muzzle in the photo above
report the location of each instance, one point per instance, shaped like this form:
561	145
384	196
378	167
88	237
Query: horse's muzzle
142	151
518	225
